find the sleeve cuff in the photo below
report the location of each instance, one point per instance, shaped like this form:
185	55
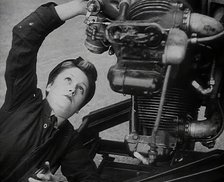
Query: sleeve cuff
49	16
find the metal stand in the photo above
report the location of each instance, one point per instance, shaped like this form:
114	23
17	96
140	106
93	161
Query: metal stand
187	166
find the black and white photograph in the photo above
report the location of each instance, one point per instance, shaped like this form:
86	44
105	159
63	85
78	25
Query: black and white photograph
112	91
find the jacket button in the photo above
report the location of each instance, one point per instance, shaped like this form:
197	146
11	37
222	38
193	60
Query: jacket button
31	24
45	125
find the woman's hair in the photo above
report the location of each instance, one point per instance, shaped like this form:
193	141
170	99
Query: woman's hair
87	67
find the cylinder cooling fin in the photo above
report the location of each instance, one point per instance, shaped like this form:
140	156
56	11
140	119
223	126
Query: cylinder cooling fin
157	7
178	105
168	14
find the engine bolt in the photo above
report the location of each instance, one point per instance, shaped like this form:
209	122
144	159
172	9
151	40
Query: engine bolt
135	137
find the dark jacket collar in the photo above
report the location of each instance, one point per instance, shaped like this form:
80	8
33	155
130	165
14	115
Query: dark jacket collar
47	112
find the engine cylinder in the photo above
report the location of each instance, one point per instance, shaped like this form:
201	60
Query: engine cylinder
166	13
178	105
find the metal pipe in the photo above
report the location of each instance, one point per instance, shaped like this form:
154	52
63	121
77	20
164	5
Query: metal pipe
202	129
211	82
133	114
123	9
152	155
206	39
200	89
209	129
208	27
204	25
161	104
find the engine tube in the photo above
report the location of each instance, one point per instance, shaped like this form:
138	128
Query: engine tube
202	129
204	25
206	130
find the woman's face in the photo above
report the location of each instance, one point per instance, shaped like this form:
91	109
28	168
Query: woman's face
67	92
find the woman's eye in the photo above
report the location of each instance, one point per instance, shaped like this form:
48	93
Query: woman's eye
80	89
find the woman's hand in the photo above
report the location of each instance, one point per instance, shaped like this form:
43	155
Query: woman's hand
44	175
71	9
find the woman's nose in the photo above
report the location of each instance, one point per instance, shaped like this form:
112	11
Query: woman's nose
72	90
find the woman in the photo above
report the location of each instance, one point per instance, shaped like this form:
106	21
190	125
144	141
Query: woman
35	135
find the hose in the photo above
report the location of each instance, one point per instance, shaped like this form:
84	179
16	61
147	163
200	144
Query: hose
207	39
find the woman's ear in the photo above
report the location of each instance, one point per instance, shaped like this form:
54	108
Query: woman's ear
48	88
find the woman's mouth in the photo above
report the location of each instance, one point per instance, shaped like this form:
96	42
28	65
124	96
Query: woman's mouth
69	98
